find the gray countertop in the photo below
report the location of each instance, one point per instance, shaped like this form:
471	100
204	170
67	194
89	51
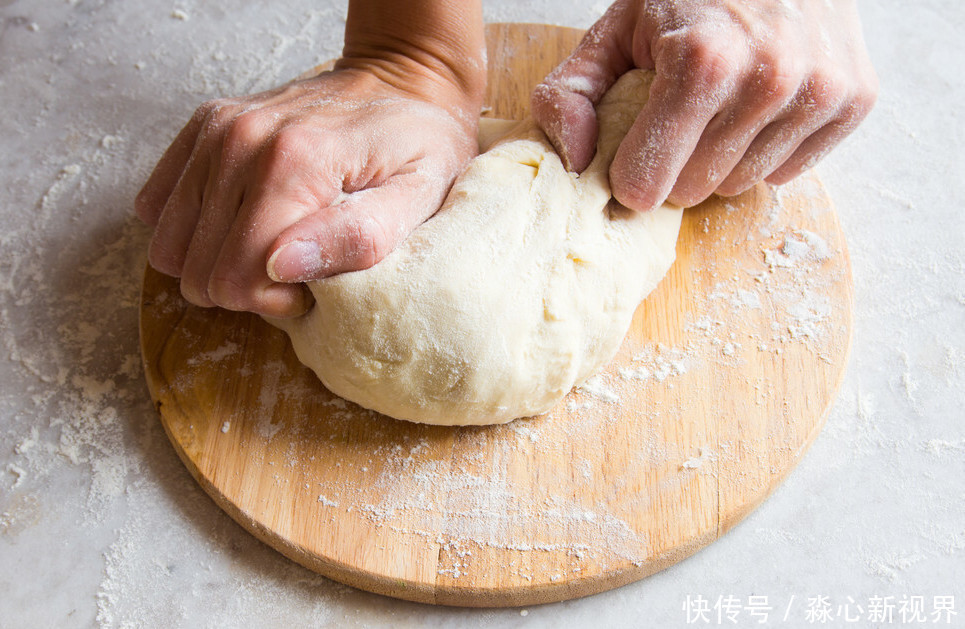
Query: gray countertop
100	524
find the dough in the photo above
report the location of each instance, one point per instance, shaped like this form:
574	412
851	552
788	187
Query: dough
520	287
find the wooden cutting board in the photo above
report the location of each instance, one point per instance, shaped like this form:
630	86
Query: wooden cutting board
724	380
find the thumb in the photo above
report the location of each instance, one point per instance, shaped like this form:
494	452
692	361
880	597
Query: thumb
564	103
354	233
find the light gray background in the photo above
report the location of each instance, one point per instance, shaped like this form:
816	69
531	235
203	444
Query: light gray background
101	524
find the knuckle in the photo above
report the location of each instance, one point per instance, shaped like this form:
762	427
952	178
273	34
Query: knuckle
244	133
213	117
867	95
211	111
542	102
850	99
543	98
368	242
711	60
827	89
851	115
286	145
205	110
778	77
753	167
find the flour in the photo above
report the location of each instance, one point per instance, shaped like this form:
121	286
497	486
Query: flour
325	501
18	473
216	355
53	194
659	362
161	551
943	448
597	388
696	462
78	425
801	247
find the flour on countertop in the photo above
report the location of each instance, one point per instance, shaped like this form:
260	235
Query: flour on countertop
92	92
77	424
100	394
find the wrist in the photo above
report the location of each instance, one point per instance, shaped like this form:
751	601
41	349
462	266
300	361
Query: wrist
432	49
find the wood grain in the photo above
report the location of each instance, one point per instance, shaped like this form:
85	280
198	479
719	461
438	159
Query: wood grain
724	380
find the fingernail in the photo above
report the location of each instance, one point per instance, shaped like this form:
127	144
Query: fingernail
298	261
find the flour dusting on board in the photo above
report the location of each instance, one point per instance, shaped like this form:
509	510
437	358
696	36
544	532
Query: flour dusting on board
87	408
418	486
93	92
409	483
465	500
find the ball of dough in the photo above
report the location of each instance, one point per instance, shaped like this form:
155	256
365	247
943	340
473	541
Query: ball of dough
520	287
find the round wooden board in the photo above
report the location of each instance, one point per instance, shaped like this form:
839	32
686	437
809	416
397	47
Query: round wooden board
724	379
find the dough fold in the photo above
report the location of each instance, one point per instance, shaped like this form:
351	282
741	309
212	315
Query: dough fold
520	287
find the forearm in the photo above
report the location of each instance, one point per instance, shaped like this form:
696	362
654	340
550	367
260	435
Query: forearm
427	47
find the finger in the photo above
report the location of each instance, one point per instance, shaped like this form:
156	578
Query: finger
569	121
699	72
281	195
819	144
719	149
178	219
218	211
759	100
658	145
564	102
150	201
821	115
237	279
223	196
355	234
771	148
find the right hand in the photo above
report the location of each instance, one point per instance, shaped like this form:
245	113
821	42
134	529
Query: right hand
743	92
319	177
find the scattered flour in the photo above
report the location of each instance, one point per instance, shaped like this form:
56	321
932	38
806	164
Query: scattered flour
215	355
77	424
659	363
597	388
696	462
326	502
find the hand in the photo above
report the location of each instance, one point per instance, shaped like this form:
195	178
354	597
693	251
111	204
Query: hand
321	176
743	92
